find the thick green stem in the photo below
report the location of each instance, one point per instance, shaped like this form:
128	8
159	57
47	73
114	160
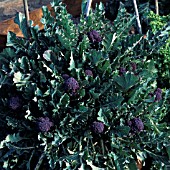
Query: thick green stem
40	161
102	145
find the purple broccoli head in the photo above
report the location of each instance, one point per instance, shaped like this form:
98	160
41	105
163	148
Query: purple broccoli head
158	90
44	124
136	125
158	94
89	73
71	85
14	102
133	65
94	36
122	70
97	127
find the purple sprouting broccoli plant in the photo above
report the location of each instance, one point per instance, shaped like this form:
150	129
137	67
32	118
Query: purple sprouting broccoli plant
44	124
133	65
14	102
97	127
122	70
94	36
71	85
65	76
136	125
158	95
89	73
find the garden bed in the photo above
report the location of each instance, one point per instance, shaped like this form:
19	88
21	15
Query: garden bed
83	95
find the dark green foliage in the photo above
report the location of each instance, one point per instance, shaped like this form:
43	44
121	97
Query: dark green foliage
78	99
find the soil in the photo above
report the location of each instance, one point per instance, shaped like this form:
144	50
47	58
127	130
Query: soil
8	8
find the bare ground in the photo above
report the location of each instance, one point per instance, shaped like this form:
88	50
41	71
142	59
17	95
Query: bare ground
8	8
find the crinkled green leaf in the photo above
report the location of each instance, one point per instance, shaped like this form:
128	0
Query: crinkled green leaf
126	81
22	23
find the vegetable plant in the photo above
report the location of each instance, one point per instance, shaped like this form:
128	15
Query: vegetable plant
82	96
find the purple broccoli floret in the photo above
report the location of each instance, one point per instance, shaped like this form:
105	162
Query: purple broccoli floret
65	76
122	70
158	94
158	90
89	73
133	65
44	124
71	85
97	127
94	36
14	102
136	125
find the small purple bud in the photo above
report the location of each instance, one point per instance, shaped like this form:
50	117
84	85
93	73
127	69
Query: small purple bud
158	94
65	76
89	73
159	90
158	97
133	66
14	102
122	70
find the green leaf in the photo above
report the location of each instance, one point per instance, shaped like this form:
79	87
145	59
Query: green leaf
94	94
47	19
95	57
83	6
114	101
22	23
6	56
25	64
42	78
108	41
72	63
122	130
116	161
126	81
102	117
14	138
103	66
47	55
168	151
17	43
93	166
64	100
82	92
132	165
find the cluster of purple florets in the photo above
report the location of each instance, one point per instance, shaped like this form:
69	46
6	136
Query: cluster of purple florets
97	127
44	124
89	73
94	36
71	85
133	65
122	71
158	94
14	102
136	125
